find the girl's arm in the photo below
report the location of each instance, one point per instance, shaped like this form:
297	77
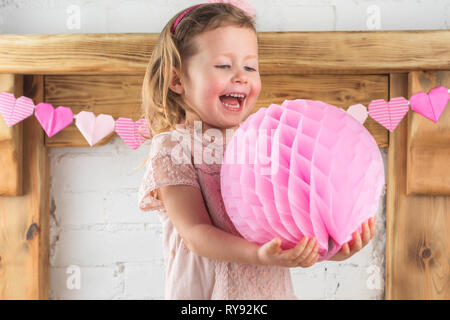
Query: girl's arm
186	209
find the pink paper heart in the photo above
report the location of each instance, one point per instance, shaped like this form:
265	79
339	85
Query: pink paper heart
53	120
94	128
430	105
389	114
128	130
359	112
14	111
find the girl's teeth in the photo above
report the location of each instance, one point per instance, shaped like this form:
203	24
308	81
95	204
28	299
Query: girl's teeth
231	106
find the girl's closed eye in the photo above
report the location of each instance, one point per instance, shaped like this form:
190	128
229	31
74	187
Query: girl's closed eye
225	65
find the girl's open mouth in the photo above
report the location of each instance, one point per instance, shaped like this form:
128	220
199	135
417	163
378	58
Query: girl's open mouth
232	102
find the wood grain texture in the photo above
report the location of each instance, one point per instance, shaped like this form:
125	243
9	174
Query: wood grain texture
11	142
417	241
428	159
119	96
93	54
24	220
343	52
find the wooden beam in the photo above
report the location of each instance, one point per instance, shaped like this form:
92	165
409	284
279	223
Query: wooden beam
396	159
24	220
336	52
11	155
428	161
417	227
120	96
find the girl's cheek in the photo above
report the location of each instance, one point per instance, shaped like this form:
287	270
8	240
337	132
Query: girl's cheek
259	86
257	90
215	88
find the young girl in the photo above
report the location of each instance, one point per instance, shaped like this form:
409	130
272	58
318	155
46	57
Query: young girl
205	68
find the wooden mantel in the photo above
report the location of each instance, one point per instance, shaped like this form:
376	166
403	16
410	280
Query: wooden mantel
339	52
103	73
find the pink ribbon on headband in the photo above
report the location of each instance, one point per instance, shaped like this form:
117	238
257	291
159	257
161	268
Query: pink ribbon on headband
172	30
241	4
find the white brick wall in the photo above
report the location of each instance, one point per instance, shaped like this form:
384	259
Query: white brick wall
96	226
103	16
95	223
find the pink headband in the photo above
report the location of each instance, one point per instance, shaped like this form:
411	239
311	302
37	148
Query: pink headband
172	30
241	4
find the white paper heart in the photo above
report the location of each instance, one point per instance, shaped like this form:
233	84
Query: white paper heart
94	128
359	112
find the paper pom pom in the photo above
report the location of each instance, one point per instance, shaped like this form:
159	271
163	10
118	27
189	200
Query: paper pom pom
241	4
305	168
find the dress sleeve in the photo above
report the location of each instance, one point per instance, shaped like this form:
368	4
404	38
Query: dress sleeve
169	163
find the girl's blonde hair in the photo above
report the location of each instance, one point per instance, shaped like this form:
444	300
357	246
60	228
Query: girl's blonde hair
161	107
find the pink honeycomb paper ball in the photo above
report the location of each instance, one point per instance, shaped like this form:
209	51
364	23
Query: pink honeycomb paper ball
305	168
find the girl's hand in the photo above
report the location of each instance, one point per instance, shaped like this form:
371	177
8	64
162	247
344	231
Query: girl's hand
355	245
305	254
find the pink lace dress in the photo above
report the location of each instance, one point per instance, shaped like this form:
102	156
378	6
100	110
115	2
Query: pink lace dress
188	275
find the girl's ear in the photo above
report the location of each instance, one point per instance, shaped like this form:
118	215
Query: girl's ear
176	84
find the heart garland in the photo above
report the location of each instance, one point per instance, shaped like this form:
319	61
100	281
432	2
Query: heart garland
14	111
53	120
129	130
430	105
359	112
94	129
389	114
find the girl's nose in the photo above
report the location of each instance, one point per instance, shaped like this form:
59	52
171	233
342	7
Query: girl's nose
240	76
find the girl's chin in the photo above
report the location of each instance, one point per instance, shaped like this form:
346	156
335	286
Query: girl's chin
228	123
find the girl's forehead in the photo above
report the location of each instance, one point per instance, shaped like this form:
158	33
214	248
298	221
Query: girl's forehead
228	41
